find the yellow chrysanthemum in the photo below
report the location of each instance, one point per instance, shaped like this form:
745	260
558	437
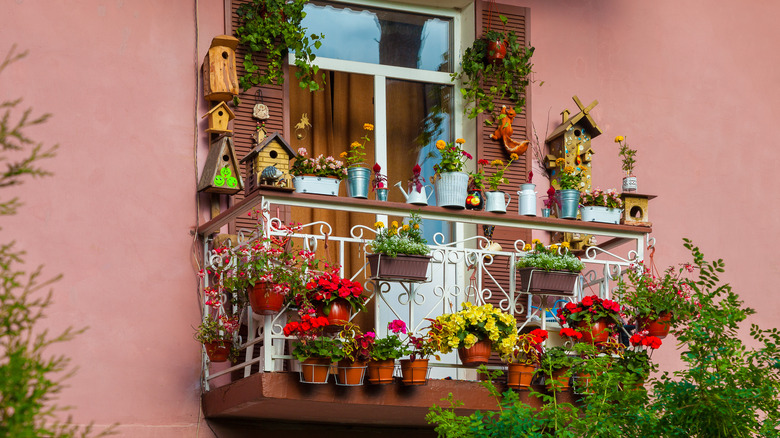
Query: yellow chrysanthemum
394	224
568	169
514	157
355	144
527	247
619	138
343	154
553	247
368	126
416	226
496	163
441	144
470	340
379	224
565	245
460	141
560	160
405	227
535	241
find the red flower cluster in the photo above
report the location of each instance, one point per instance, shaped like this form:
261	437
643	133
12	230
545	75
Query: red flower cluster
590	305
329	285
539	336
309	325
646	340
570	333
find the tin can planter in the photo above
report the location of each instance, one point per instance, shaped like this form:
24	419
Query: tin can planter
358	179
218	351
519	375
350	373
414	372
537	281
601	214
597	333
399	268
657	327
318	185
263	300
478	354
526	205
497	201
451	189
630	184
546	212
381	194
315	370
380	372
569	203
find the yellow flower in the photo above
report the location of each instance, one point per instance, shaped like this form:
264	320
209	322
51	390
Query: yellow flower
379	224
355	144
343	154
405	227
470	340
514	157
560	160
368	126
553	247
527	247
416	226
535	241
619	138
496	163
565	245
460	141
394	224
441	144
568	169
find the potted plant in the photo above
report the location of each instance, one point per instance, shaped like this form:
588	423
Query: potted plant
524	359
330	295
475	331
551	270
417	194
414	371
216	335
273	28
399	252
357	176
379	183
555	365
450	181
549	202
628	154
315	350
320	175
657	303
487	76
568	197
356	347
384	353
601	206
595	318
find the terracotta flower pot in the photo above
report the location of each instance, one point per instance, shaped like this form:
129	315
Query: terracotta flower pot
657	327
218	351
263	300
519	375
338	313
315	370
414	372
597	333
380	372
560	377
478	354
496	50
350	373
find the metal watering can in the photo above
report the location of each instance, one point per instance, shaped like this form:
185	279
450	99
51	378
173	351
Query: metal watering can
415	197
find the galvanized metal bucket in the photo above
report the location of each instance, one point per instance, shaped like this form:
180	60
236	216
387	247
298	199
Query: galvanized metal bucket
569	201
357	182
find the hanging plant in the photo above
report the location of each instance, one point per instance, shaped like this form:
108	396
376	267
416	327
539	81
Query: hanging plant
487	73
273	28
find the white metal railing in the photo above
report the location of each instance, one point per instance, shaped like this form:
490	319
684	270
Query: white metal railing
460	271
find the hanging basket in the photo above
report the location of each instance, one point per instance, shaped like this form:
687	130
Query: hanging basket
537	281
218	351
339	311
597	333
478	354
657	327
400	268
265	301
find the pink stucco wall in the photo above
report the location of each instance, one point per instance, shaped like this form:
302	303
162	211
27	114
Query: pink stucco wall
690	84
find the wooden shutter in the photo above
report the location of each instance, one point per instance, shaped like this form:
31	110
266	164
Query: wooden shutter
490	149
276	97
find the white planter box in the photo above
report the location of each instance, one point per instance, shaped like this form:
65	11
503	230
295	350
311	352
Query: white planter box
601	214
318	185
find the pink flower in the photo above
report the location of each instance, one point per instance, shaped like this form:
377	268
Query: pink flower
397	326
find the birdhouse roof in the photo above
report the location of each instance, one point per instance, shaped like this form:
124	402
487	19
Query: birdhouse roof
583	116
231	114
224	40
266	141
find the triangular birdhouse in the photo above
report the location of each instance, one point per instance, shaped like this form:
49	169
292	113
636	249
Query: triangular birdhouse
221	173
219	117
272	151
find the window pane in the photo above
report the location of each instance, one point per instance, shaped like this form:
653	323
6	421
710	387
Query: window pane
379	36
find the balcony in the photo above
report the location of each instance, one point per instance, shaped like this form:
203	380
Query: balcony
266	384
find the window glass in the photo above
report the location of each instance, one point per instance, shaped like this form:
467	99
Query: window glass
380	36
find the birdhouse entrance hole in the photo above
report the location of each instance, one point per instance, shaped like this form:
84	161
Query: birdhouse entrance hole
225	158
220	113
273	154
225	55
636	212
577	132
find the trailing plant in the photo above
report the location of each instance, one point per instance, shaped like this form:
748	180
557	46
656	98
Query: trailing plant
406	239
356	345
273	28
648	295
214	329
552	258
485	81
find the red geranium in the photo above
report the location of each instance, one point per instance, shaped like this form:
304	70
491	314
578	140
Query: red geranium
588	311
324	288
644	339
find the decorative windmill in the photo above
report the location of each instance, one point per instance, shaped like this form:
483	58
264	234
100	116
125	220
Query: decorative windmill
571	140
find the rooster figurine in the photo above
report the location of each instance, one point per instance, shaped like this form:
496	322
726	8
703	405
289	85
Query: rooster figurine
504	133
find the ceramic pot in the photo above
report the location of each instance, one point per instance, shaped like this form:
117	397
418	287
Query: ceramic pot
475	200
478	354
497	201
218	351
380	372
597	333
414	372
561	378
496	50
338	312
264	301
350	373
315	370
657	327
519	375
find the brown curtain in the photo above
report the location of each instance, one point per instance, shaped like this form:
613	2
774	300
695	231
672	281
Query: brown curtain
337	114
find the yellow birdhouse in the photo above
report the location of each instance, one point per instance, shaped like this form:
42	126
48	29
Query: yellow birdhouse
268	164
220	80
635	209
221	173
219	117
571	140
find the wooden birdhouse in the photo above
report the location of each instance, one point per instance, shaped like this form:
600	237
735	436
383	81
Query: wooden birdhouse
571	140
268	164
221	173
220	81
635	209
219	117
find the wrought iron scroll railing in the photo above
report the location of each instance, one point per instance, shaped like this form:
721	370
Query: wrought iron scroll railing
461	270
